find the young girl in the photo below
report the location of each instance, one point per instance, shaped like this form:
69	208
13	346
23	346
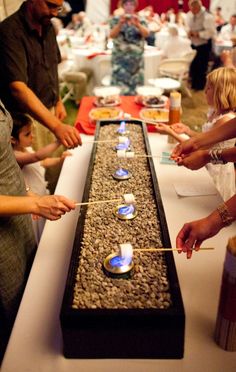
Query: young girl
220	93
32	163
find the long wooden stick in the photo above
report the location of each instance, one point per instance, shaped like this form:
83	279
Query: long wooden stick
152	156
100	201
100	141
167	249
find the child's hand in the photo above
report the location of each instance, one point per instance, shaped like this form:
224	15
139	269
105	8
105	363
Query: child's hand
162	128
65	154
180	128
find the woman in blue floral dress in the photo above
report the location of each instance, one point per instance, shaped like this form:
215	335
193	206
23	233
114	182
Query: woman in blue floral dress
128	32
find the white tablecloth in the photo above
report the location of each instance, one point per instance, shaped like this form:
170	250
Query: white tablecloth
36	342
220	45
101	64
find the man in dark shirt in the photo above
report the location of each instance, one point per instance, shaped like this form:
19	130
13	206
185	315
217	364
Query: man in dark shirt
28	67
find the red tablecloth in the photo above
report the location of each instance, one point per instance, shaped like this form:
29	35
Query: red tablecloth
83	123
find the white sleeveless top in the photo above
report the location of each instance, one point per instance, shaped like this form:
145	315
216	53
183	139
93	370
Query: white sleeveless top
223	174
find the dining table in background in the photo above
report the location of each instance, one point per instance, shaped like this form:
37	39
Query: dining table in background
85	54
128	105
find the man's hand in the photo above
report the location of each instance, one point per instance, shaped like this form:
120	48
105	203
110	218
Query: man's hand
69	136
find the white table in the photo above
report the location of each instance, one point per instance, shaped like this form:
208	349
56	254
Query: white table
101	64
36	342
220	45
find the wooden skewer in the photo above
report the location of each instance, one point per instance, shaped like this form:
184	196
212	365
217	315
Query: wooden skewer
100	201
100	141
152	156
167	249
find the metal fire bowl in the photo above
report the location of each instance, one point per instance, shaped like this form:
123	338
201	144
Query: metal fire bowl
128	216
118	271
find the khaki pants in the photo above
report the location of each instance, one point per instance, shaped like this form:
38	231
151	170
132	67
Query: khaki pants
42	137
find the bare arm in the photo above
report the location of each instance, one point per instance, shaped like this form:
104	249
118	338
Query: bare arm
51	207
205	140
69	136
117	28
198	159
194	233
24	158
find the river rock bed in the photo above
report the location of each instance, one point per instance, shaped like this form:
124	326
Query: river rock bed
148	286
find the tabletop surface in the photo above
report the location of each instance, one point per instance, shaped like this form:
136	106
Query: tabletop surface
36	341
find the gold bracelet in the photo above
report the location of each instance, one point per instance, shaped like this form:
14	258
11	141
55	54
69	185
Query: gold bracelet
224	214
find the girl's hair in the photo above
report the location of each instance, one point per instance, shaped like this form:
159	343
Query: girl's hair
223	80
19	121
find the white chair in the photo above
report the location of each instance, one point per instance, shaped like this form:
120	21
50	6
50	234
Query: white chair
104	70
73	86
178	69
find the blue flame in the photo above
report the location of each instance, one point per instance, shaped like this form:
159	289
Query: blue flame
126	209
122	172
121	129
123	146
118	261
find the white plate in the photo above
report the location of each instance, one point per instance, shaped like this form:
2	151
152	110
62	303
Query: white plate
142	101
105	113
165	83
147	90
112	103
106	91
154	114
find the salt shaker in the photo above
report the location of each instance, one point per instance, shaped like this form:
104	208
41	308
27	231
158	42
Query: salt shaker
175	111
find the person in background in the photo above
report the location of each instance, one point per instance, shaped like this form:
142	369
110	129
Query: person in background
128	32
74	22
201	30
220	93
219	19
228	31
180	16
29	75
153	23
170	15
17	243
33	163
176	46
80	24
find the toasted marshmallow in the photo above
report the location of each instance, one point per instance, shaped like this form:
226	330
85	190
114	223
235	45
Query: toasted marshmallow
129	198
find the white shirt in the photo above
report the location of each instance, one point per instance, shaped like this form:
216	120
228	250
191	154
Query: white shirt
227	32
203	23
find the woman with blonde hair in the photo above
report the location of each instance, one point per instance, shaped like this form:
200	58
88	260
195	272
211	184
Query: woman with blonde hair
220	93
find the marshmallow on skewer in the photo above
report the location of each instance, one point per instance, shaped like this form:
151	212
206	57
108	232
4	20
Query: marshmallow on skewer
123	139
129	154
129	198
126	253
121	153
